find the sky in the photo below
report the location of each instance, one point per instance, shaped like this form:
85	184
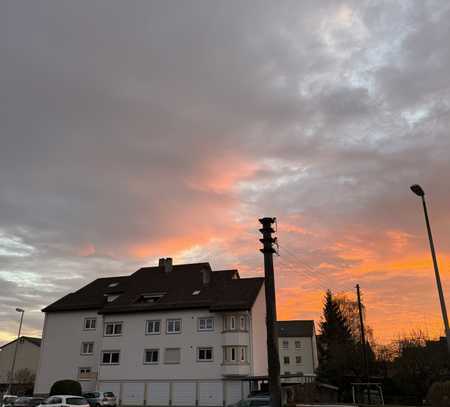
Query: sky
133	130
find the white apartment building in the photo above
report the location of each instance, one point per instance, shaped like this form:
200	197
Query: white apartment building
171	335
297	347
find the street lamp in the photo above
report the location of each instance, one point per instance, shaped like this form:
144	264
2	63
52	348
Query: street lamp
15	350
417	189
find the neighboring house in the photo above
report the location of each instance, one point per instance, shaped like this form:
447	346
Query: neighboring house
179	335
27	358
298	349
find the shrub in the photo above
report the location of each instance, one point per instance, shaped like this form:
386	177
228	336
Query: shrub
69	387
439	394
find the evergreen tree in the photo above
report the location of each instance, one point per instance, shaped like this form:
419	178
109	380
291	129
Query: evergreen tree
338	356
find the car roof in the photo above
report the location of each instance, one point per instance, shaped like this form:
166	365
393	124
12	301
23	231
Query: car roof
67	395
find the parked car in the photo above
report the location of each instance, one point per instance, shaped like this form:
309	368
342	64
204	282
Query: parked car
8	400
257	400
101	398
28	401
64	401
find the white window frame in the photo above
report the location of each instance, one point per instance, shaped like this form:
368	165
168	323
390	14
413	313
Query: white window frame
152	322
174	321
110	352
242	323
238	352
285	344
157	357
83	344
298	344
114	324
232	323
85	323
172	363
85	369
205	349
205	327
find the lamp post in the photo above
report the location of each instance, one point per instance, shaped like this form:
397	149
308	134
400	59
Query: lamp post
15	349
417	189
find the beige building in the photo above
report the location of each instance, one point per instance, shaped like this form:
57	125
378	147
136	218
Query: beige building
27	359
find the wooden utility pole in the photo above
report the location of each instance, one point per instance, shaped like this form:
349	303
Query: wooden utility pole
363	342
271	312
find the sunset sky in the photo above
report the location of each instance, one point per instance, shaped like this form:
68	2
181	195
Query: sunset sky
133	130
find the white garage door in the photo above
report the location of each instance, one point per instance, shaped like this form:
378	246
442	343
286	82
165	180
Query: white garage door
210	393
133	394
158	394
233	392
183	394
114	387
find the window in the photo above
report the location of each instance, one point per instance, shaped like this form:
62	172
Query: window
54	400
89	324
206	324
113	329
232	322
83	372
298	360
153	327
173	326
196	292
76	401
285	344
112	297
112	285
242	323
234	354
298	344
110	357
204	354
149	298
87	348
242	354
286	360
172	355
151	356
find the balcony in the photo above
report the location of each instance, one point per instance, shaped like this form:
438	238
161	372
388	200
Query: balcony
236	369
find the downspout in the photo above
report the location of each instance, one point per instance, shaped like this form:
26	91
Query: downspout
250	326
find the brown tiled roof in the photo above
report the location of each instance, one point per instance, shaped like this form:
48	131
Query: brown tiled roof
295	329
226	291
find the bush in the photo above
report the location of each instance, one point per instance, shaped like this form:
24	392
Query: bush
69	387
439	394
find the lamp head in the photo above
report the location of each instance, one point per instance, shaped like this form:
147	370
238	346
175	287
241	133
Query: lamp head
417	189
19	310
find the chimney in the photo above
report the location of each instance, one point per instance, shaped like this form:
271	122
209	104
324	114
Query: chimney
206	277
161	262
168	265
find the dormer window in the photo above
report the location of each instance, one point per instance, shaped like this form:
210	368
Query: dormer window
149	298
196	292
112	285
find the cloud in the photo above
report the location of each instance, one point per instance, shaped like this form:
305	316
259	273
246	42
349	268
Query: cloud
138	130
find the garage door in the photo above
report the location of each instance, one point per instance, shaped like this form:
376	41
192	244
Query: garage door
233	392
114	387
183	394
133	394
210	393
158	394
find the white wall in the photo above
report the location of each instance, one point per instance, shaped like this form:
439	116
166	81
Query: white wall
307	353
259	335
60	356
27	358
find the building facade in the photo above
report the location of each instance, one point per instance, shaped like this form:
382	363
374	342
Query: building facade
27	358
179	335
297	347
